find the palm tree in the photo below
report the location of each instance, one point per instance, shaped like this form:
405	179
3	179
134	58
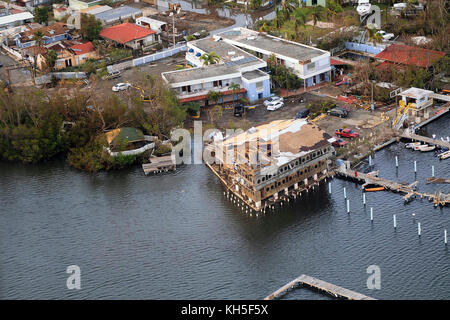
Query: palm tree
287	8
235	88
210	58
300	21
38	35
264	27
279	18
373	35
316	15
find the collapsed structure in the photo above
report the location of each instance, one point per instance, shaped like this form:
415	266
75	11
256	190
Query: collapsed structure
267	163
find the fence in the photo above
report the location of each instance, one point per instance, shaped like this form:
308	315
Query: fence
362	47
16	54
147	59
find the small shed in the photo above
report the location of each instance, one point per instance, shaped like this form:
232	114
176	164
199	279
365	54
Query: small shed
125	138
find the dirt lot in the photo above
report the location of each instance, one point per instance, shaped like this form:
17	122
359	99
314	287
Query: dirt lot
135	74
192	22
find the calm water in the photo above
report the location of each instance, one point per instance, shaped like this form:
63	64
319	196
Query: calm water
176	236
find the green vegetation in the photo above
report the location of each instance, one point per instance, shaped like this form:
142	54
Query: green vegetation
281	76
41	15
32	130
90	27
320	106
210	58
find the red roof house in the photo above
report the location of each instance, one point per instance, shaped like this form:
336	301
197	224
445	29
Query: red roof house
130	34
82	48
407	55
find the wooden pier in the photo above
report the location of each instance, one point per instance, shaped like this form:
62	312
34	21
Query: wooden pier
160	164
438	198
437	180
311	282
429	141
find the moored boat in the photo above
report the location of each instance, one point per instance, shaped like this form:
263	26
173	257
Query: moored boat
419	147
412	145
444	155
427	148
374	189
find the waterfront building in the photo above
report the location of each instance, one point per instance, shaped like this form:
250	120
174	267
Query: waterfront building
419	103
273	160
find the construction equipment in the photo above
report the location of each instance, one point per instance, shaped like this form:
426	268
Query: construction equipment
144	97
402	112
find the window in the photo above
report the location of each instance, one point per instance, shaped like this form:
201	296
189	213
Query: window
311	66
217	83
186	88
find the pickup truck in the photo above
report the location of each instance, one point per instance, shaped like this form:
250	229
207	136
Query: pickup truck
347	133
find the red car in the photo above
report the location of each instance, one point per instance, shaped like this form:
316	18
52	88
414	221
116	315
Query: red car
339	143
347	133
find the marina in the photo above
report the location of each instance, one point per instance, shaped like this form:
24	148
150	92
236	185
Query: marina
409	190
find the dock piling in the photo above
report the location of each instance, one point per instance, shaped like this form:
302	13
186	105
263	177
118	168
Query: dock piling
345	193
364	198
371	214
445	236
348	206
432	171
396	161
419	229
415	166
395	221
329	187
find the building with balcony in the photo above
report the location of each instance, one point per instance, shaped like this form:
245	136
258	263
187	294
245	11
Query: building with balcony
235	67
272	161
310	64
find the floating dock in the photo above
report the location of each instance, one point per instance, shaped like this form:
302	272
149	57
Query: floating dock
160	164
321	285
437	180
438	198
429	141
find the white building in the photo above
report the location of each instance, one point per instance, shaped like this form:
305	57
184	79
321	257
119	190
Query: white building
310	64
14	20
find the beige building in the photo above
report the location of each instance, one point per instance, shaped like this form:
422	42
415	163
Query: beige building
272	161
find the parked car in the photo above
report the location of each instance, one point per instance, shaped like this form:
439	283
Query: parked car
385	35
339	143
275	105
272	100
347	133
345	108
238	110
113	75
337	112
120	87
303	113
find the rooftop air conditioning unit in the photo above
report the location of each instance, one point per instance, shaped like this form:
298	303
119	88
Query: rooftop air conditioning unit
231	53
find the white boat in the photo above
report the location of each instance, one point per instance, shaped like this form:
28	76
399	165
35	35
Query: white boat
419	147
444	155
411	145
373	173
363	7
427	148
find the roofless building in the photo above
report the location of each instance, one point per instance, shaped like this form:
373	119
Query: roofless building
270	162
